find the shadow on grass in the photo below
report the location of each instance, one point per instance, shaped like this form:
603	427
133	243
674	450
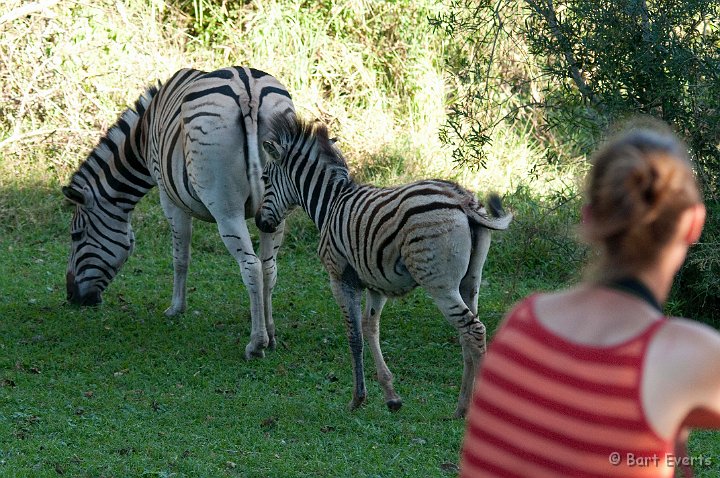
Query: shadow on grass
33	211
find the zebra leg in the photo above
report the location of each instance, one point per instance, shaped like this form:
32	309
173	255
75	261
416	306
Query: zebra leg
235	235
374	304
348	297
470	284
269	245
472	340
469	288
181	225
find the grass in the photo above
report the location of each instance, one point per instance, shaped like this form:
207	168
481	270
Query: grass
120	390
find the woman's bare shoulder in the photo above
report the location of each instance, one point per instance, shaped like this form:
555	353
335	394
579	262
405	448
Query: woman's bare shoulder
688	337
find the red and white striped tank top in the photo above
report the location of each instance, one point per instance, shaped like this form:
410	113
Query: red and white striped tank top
545	407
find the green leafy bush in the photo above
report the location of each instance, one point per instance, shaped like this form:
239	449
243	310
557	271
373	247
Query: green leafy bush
574	67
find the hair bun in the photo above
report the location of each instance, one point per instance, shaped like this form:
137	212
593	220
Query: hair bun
641	186
637	187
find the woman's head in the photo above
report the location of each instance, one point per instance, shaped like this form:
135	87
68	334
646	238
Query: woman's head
640	184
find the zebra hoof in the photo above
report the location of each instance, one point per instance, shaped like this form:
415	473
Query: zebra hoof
394	405
172	311
272	343
251	352
356	403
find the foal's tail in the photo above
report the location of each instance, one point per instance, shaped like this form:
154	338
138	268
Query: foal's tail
498	219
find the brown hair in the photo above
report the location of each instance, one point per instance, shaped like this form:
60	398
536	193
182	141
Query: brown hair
639	184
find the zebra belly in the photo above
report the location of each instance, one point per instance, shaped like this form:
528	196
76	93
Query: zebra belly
198	210
393	283
185	200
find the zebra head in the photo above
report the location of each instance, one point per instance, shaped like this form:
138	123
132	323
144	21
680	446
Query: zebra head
101	243
280	195
296	149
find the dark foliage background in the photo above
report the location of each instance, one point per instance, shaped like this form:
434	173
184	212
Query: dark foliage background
575	68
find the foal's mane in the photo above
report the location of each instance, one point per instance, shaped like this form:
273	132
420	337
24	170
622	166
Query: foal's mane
288	129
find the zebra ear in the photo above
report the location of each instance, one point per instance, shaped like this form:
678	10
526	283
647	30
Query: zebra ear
273	149
80	197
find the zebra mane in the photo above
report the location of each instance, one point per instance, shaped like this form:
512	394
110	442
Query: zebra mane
287	128
117	132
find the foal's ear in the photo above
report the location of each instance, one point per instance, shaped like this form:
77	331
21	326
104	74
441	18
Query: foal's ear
273	149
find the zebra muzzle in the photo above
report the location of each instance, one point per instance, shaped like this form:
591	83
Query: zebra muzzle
263	224
74	296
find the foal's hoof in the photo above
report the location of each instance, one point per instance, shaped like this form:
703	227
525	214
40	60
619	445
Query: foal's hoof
252	352
394	405
272	343
459	413
172	311
356	403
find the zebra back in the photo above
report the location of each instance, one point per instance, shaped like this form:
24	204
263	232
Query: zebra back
211	122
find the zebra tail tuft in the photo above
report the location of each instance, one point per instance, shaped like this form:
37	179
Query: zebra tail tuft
498	219
495	205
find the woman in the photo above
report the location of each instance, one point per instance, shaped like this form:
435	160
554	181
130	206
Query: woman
593	381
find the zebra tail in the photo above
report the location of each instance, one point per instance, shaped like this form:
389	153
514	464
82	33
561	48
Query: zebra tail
254	163
257	187
497	220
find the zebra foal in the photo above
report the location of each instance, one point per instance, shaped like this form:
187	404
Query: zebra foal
197	138
387	240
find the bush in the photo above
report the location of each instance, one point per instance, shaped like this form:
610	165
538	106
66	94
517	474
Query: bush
695	292
573	67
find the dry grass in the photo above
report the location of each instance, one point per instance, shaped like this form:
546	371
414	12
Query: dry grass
68	68
372	70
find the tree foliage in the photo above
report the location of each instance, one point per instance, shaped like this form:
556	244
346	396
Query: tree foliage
574	67
570	63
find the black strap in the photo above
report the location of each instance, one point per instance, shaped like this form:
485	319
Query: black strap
634	287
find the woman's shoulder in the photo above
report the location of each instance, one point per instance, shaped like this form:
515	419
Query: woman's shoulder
682	376
686	351
688	337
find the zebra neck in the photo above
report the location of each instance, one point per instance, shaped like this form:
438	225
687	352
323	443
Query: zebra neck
319	196
116	171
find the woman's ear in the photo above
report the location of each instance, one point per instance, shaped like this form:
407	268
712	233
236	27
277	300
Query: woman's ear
696	220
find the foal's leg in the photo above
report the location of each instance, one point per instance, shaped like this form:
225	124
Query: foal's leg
348	297
374	303
470	284
181	225
472	339
469	287
269	245
438	266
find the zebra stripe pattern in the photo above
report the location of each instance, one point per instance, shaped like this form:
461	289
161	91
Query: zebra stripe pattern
387	241
197	139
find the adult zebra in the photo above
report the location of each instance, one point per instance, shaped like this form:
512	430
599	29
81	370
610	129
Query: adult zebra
386	240
196	137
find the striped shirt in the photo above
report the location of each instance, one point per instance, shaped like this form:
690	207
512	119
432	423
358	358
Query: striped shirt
546	407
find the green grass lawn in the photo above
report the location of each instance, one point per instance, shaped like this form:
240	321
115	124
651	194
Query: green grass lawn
122	391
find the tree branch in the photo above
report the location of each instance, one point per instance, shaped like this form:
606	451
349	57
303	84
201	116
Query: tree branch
548	13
